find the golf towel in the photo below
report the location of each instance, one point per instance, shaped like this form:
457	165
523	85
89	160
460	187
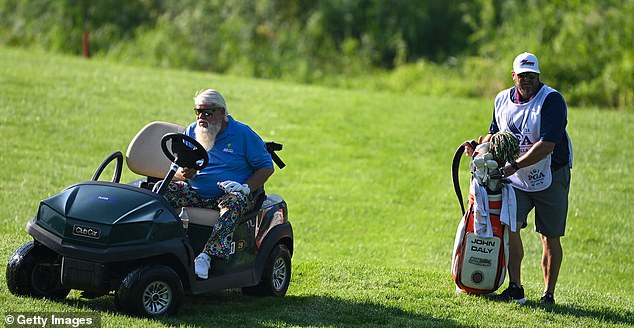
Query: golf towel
481	221
508	212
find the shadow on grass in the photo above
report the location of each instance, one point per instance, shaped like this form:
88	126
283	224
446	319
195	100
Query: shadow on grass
231	308
604	314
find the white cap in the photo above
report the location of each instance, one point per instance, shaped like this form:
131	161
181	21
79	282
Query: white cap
525	62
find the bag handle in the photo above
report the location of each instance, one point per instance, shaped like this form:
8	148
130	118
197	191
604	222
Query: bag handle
454	172
272	147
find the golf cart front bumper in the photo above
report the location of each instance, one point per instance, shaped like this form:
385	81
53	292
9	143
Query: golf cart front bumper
98	269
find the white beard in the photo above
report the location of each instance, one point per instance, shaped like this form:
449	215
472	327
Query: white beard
207	136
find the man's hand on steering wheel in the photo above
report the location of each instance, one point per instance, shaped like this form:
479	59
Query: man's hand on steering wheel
185	173
184	155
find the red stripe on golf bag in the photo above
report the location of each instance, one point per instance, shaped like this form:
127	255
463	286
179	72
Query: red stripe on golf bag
478	265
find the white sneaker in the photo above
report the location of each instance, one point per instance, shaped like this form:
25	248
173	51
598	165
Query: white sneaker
201	265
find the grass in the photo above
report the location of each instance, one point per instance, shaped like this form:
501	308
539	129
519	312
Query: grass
368	186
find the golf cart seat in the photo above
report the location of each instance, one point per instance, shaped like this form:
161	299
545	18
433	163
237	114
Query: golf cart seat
145	157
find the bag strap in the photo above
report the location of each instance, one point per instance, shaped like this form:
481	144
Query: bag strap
455	174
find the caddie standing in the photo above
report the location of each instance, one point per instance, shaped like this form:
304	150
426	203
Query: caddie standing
537	115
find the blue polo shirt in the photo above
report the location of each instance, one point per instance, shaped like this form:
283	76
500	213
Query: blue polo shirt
237	153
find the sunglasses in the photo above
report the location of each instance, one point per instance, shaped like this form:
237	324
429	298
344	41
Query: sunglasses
529	76
206	111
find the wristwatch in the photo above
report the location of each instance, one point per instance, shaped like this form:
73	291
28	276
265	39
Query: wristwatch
514	165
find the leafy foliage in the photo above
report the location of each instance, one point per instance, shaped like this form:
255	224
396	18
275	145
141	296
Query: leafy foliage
584	46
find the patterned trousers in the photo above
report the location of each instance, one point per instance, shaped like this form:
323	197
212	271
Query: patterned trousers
231	206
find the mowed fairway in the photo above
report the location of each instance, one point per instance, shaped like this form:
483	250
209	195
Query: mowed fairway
367	184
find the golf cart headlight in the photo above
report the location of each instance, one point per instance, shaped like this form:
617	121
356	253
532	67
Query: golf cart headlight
50	219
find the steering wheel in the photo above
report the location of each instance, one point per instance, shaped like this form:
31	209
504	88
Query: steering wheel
182	154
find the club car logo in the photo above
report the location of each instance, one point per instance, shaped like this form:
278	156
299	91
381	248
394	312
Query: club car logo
86	232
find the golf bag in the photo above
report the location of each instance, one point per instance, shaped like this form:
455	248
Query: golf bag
478	264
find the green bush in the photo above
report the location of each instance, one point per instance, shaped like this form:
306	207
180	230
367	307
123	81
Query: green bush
437	47
584	47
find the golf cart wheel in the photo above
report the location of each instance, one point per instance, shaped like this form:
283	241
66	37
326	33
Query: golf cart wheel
276	276
150	291
34	270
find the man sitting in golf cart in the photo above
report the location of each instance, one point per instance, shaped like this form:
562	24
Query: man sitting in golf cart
239	163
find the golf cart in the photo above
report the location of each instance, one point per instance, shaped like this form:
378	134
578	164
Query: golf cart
99	236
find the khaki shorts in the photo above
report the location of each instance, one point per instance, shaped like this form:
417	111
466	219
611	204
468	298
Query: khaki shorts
551	205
